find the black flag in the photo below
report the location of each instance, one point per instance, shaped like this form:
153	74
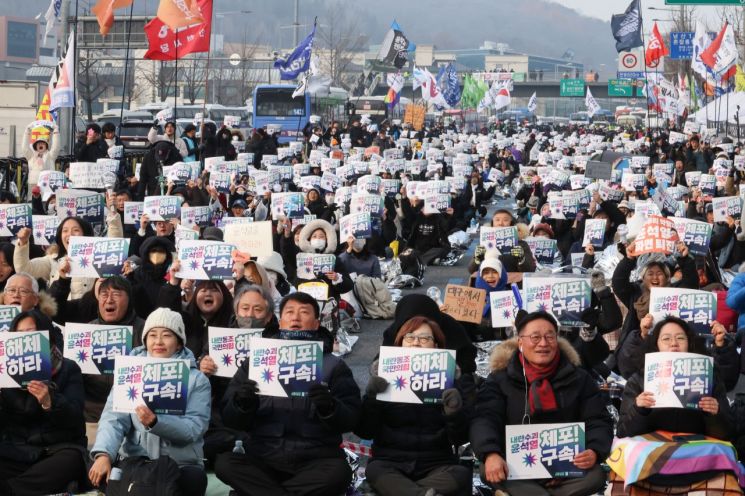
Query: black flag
627	28
393	49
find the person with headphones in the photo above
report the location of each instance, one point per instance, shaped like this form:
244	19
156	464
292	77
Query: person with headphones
536	378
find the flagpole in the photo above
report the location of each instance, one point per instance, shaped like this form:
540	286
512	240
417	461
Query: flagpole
75	85
644	61
175	85
126	61
206	88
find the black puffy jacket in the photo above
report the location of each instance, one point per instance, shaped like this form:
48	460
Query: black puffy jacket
501	400
148	279
291	428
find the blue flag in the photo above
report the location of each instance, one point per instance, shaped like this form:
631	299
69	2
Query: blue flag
298	61
627	28
451	86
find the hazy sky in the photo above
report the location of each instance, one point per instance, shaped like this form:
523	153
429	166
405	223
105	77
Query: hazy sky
604	9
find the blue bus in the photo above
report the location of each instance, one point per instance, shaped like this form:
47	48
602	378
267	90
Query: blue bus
273	105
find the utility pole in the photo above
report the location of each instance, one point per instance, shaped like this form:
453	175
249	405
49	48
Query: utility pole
66	122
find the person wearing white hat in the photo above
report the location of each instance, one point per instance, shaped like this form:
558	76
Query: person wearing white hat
143	433
275	268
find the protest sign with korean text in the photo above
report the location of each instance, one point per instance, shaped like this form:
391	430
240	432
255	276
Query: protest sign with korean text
498	238
7	314
695	234
45	229
204	260
562	295
372	204
544	451
24	357
196	216
290	205
254	238
436	203
310	264
13	218
159	208
657	235
161	384
464	303
229	348
698	308
415	375
504	308
678	380
95	346
728	206
358	226
97	257
543	249
594	232
284	367
133	212
49	182
708	185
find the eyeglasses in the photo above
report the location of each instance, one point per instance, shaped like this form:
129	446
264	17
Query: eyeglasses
410	338
536	338
104	295
18	291
670	339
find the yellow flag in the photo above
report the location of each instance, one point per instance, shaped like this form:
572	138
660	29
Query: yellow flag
739	79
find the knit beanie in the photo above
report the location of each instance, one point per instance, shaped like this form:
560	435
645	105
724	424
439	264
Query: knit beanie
167	318
491	263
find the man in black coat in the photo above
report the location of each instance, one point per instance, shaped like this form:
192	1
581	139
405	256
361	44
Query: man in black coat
91	147
161	154
293	446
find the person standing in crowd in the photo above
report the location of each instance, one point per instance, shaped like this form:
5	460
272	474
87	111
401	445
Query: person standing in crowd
42	154
168	135
91	147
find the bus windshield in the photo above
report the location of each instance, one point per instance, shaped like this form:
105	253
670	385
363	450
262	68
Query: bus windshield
278	102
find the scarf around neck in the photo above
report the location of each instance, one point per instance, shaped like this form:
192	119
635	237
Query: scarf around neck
541	396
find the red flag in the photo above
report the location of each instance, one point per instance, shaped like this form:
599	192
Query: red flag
656	48
721	55
180	13
104	11
163	41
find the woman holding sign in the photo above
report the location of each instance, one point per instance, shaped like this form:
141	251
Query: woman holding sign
42	431
143	433
537	378
415	444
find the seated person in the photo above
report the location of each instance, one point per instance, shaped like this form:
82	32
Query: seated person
146	434
293	445
537	378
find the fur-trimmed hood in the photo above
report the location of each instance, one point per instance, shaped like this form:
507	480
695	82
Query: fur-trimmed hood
307	231
502	354
47	305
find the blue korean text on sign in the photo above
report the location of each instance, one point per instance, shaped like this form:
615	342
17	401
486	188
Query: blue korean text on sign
681	44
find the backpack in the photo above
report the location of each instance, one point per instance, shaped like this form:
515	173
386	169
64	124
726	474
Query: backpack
142	476
373	296
411	263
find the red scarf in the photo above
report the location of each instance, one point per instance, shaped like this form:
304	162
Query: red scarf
541	395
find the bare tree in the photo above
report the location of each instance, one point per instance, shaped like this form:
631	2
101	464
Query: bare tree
247	75
90	84
339	40
161	77
193	78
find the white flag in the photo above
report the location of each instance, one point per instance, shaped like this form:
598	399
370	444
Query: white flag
502	99
419	78
591	104
52	17
430	91
395	81
62	83
533	103
701	41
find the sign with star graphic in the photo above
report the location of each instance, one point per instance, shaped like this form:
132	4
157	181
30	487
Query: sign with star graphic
358	226
498	238
565	296
372	204
436	203
678	380
544	451
415	375
162	384
204	260
133	212
24	357
182	233
229	348
196	216
708	185
49	182
543	250
698	308
87	205
594	232
284	367
45	229
94	347
310	264
97	257
728	206
504	308
162	207
695	234
7	314
13	218
290	205
221	181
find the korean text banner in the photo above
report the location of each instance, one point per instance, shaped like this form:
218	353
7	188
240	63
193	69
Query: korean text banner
543	250
7	314
95	346
504	308
415	375
544	451
310	264
162	207
13	218
203	260
678	380
698	308
285	368
97	257
229	348
162	384
24	357
87	205
500	238
695	234
657	235
45	229
563	296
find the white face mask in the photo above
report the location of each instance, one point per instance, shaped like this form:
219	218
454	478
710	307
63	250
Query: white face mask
318	244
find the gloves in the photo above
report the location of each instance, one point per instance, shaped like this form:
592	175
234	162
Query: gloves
376	385
590	317
320	396
247	398
478	254
597	280
452	402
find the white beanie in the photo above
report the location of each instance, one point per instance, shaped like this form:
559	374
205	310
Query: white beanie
165	317
491	263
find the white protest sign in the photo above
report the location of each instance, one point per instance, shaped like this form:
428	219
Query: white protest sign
415	375
254	238
229	348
